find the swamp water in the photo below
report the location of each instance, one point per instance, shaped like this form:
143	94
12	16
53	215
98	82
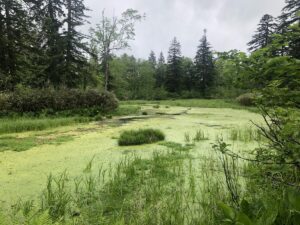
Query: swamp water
24	174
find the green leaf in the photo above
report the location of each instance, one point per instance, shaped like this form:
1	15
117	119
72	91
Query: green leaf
244	219
294	200
227	210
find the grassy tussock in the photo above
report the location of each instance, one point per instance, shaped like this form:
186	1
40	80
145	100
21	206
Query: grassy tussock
139	137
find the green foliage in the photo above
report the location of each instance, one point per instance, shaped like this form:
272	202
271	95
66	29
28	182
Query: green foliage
36	100
174	68
17	125
247	99
204	67
110	35
139	137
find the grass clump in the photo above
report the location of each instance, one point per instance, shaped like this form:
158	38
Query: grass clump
200	136
139	137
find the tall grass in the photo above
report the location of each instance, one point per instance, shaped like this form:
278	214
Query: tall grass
168	188
245	134
11	125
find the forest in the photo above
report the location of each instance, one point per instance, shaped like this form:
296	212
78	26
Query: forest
90	134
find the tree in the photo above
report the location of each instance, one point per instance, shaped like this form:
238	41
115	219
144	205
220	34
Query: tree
160	74
264	32
75	61
14	42
290	13
204	66
188	73
174	68
48	16
113	34
288	29
152	59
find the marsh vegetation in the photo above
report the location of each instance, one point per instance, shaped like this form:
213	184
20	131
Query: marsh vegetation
91	136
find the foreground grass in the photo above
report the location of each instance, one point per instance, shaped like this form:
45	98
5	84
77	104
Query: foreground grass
160	190
202	103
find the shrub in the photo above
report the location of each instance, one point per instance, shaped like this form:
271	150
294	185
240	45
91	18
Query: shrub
246	99
139	137
38	100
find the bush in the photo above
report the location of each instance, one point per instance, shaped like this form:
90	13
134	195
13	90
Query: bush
247	99
39	100
139	137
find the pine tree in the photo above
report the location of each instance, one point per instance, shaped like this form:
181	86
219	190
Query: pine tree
48	15
174	70
204	66
160	74
188	73
290	13
264	32
14	43
289	28
152	59
74	47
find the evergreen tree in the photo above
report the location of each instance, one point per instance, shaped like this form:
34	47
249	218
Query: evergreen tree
290	13
48	15
152	59
188	73
264	32
204	66
14	43
174	68
75	61
289	25
160	74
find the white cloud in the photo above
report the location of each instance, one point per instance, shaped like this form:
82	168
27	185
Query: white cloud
230	23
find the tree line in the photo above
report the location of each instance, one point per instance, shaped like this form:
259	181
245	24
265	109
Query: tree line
42	47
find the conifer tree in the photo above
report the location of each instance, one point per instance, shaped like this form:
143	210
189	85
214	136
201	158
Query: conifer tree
289	28
290	13
74	47
160	74
204	66
48	15
174	68
152	59
14	43
264	32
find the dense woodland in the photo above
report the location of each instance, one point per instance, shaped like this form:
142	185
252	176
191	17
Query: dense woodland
44	55
42	47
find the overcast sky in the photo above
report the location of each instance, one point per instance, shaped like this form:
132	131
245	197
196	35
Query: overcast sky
230	23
